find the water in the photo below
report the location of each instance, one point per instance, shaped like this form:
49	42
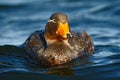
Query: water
101	19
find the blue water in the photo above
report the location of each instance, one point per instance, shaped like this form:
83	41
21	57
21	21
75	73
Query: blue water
100	18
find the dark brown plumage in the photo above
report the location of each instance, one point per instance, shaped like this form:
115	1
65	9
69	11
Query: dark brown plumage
57	44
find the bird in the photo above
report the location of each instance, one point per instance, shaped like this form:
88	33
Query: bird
57	44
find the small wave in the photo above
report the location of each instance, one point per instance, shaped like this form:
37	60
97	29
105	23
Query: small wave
15	2
12	69
6	4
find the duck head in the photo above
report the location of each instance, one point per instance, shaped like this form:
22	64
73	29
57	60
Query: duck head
57	27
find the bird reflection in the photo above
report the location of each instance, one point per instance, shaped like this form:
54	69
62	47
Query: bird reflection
68	68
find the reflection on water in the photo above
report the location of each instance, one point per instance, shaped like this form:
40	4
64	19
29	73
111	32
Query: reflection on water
101	19
61	72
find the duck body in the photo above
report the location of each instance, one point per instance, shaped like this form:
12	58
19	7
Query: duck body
49	51
58	52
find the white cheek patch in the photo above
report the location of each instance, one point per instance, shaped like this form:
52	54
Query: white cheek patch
53	21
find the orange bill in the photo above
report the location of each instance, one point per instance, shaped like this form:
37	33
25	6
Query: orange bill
63	30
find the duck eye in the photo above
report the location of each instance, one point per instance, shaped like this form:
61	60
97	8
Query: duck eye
53	20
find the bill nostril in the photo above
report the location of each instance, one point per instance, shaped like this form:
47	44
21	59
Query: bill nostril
69	35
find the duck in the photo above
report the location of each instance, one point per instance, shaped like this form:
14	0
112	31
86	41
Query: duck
57	44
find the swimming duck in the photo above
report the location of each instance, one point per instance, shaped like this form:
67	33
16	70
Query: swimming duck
57	44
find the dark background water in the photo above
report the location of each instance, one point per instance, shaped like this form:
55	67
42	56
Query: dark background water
100	18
